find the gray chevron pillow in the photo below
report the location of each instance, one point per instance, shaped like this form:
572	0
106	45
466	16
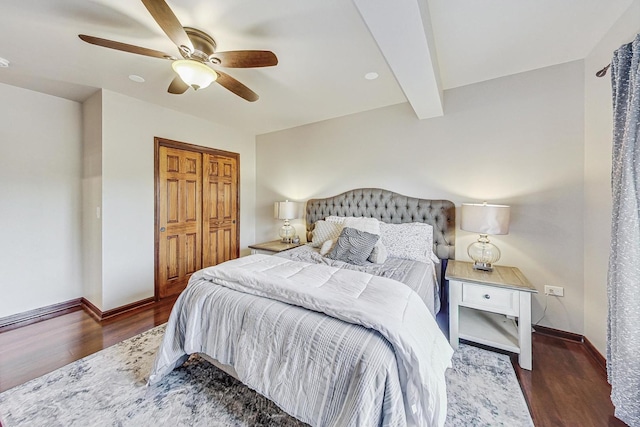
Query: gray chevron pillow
353	246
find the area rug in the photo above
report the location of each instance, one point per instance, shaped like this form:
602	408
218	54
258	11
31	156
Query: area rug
108	389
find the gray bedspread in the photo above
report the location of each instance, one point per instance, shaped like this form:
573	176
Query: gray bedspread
419	276
320	368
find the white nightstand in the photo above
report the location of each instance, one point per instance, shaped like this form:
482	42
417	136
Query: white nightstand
483	306
273	247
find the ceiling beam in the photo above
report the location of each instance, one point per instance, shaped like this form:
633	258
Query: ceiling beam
402	30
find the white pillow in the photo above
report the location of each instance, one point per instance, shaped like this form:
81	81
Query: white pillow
379	253
338	219
409	241
324	231
327	246
370	225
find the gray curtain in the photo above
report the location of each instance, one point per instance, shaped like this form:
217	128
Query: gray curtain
623	341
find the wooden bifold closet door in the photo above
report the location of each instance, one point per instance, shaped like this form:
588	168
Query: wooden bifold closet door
219	242
196	212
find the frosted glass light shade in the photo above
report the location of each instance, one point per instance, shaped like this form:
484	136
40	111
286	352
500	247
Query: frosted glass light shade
194	73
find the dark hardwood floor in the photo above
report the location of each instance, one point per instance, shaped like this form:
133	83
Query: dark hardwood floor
565	388
33	350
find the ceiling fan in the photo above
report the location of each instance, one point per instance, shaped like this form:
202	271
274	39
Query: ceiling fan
198	50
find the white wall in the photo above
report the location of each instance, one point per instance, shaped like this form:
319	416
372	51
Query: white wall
516	140
597	175
60	161
128	130
40	199
92	199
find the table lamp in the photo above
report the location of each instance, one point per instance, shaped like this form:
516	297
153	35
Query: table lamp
484	219
286	210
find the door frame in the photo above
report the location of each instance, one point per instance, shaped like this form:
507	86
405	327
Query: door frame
164	142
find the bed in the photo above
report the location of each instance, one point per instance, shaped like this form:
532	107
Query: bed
330	345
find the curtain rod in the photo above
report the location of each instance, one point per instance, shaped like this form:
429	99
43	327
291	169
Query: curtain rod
603	72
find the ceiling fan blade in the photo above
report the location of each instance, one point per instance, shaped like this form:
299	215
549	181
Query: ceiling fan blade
125	47
177	86
247	58
236	87
167	20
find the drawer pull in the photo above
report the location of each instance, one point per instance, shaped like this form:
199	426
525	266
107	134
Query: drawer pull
486	296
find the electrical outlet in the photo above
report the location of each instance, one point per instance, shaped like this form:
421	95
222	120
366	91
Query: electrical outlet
556	291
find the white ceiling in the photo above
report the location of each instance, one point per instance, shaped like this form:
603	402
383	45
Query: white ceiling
324	47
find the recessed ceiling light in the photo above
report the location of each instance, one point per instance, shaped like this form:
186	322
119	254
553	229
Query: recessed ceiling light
4	63
371	76
136	78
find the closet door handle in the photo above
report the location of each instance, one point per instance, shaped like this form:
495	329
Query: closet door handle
162	229
486	296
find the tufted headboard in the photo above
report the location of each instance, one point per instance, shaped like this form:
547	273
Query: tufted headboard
391	207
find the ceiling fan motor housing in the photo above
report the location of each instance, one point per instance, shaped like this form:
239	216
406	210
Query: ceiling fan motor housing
204	45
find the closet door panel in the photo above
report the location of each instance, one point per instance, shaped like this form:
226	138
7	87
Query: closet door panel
221	209
180	219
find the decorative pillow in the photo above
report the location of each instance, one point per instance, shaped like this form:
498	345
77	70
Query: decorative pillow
324	231
379	253
353	246
370	225
327	246
409	241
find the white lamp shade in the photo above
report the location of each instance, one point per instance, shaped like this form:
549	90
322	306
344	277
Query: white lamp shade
194	73
485	219
285	210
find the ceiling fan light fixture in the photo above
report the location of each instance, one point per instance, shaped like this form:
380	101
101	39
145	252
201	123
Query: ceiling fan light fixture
194	73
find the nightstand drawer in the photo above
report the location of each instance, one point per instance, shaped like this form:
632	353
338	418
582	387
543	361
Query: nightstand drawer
490	298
